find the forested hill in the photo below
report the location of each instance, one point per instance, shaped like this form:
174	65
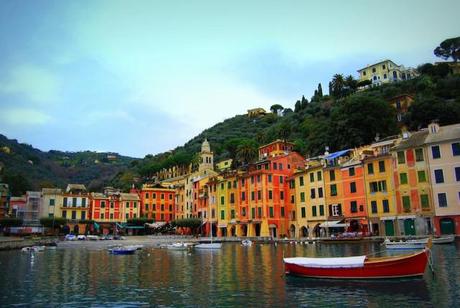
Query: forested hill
346	119
26	168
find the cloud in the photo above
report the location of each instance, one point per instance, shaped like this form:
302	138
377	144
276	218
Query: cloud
24	116
34	83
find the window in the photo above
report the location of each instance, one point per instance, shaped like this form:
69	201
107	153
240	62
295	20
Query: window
320	192
439	176
435	152
456	149
232	214
373	70
292	199
52	201
442	200
424	201
258	178
64	214
301	181
135	204
401	157
381	166
403	178
111	205
384	76
146	195
419	155
74	214
229	184
275	166
64	202
253	213
162	207
74	202
243	212
221	185
353	187
374	206
162	196
282	211
243	196
353	206
302	197
333	190
259	212
222	214
421	176
370	168
271	212
102	204
313	211
351	171
364	73
332	175
146	207
127	204
253	196
102	215
281	180
312	193
302	212
222	200
232	198
83	215
312	177
281	166
269	178
83	202
457	173
259	195
383	66
321	210
406	203
281	195
234	184
386	206
154	196
270	194
170	196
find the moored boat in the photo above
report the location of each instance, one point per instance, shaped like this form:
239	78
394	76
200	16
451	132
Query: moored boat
123	250
408	244
246	243
444	239
360	267
177	246
209	246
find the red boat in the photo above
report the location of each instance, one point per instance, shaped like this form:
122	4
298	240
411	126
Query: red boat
361	267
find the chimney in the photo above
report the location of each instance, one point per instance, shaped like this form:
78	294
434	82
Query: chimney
433	128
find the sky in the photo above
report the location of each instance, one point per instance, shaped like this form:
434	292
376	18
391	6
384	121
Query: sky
143	77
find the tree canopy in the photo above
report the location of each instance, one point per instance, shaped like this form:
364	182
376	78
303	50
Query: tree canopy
449	48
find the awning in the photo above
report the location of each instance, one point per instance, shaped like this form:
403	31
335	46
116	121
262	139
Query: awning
222	225
333	224
336	154
407	217
272	226
156	224
388	218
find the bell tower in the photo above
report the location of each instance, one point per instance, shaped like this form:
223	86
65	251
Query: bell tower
206	157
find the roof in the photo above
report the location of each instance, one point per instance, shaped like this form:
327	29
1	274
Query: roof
351	162
417	139
445	133
370	65
50	191
127	196
71	187
337	154
276	141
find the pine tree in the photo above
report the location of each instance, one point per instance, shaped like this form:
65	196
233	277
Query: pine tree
320	90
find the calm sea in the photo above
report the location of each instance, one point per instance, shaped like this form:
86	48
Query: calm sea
233	276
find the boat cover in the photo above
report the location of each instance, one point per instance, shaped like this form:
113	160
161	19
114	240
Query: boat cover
345	262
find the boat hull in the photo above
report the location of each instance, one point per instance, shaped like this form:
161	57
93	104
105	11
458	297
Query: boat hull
209	246
391	267
122	251
444	239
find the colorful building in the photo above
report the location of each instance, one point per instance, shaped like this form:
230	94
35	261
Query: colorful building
51	201
275	148
130	206
401	104
412	185
380	197
158	202
442	146
75	203
386	71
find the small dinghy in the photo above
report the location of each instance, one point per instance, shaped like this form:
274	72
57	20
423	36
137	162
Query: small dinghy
123	250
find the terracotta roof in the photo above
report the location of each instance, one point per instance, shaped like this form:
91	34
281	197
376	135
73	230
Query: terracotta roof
417	139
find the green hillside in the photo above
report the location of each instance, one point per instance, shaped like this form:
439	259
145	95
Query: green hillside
27	168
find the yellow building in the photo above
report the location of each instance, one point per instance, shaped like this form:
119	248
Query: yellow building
224	165
379	183
309	200
51	201
129	206
256	112
384	72
75	203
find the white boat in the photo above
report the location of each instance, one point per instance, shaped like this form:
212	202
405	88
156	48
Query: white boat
246	243
177	246
209	246
407	244
33	249
444	239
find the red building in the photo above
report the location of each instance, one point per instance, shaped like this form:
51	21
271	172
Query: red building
157	202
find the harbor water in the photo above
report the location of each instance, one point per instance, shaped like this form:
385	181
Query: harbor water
232	276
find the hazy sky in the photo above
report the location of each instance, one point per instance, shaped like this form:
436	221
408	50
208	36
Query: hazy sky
139	77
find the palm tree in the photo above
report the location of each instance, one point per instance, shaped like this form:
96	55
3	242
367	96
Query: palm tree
246	152
351	83
337	85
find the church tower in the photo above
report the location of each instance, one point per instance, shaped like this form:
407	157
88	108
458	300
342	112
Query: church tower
206	157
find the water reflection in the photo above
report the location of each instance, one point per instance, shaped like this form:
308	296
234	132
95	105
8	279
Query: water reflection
232	276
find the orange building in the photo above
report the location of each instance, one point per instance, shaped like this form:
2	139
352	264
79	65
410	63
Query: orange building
354	195
275	148
157	202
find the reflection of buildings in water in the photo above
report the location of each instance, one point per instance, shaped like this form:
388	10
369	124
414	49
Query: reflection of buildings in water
360	292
